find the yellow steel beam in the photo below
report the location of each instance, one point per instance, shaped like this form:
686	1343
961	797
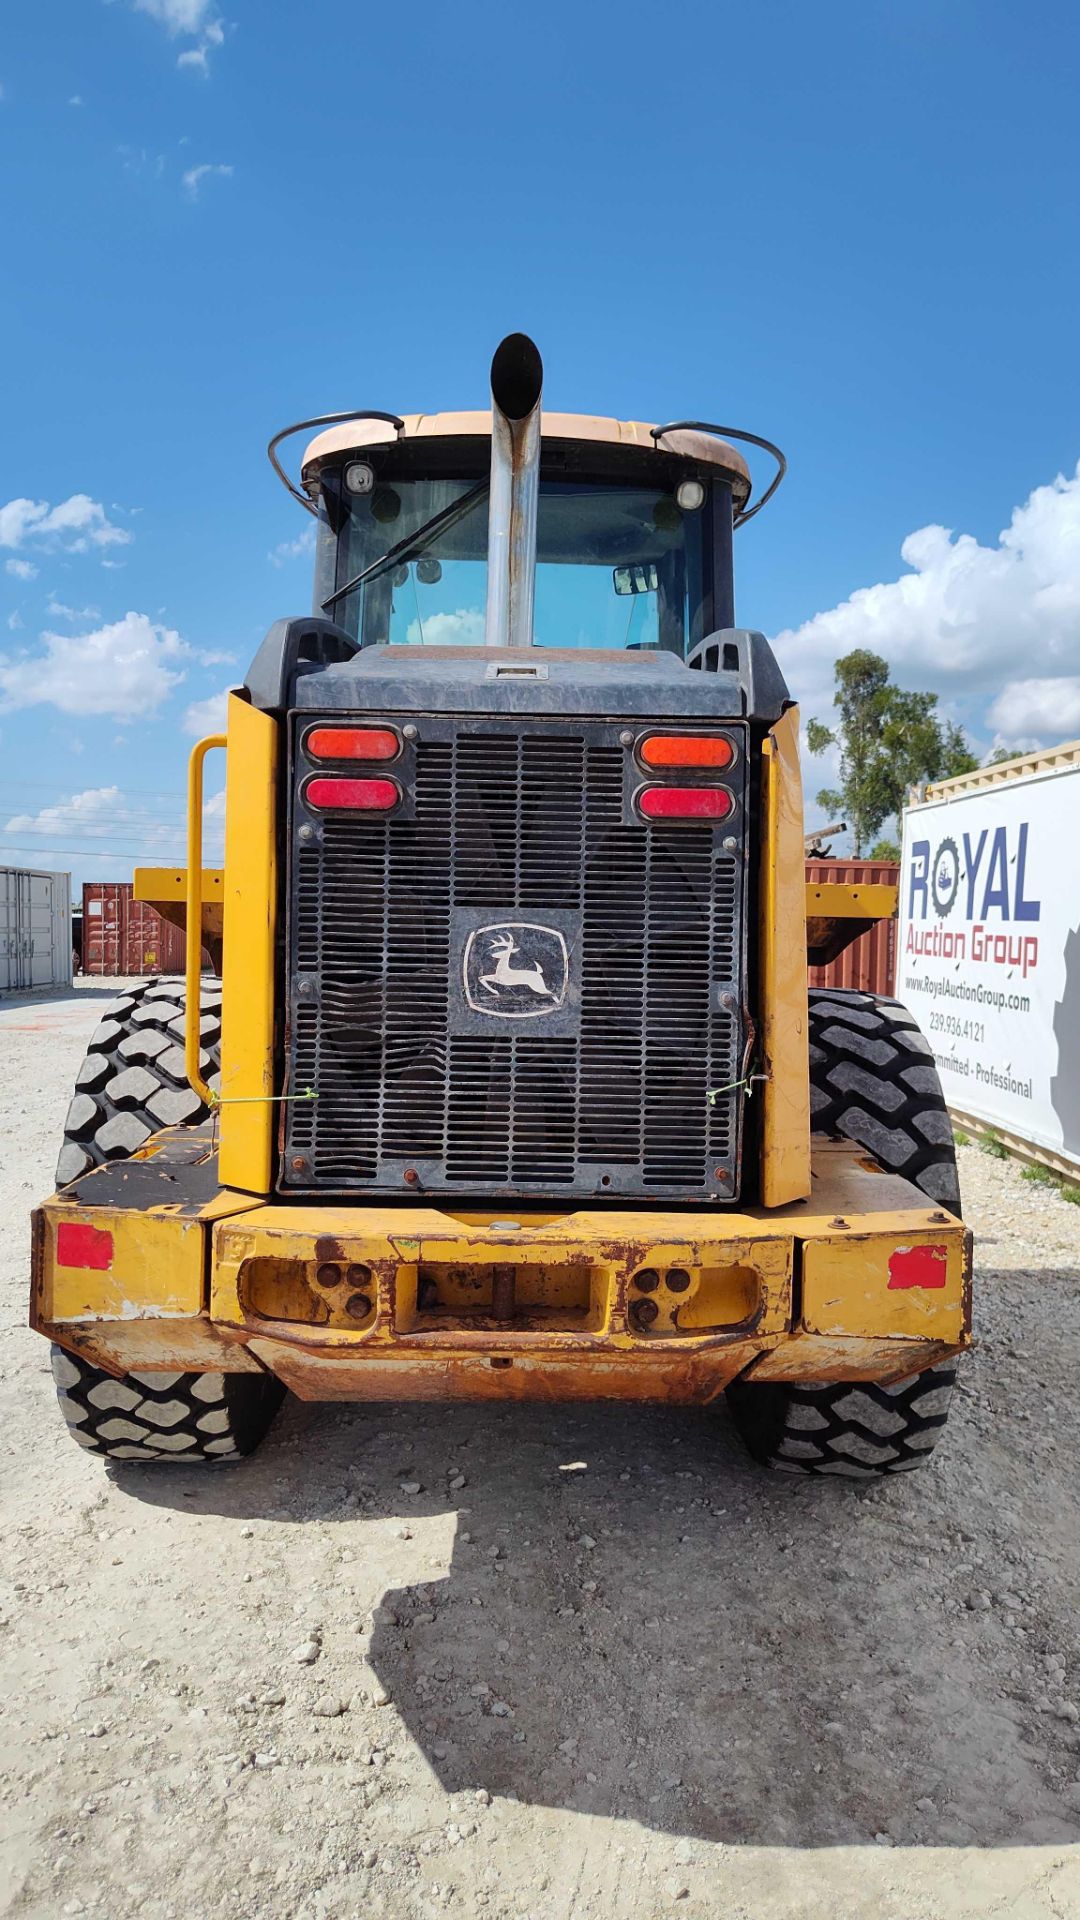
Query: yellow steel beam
193	908
160	886
785	1131
165	889
840	900
248	1110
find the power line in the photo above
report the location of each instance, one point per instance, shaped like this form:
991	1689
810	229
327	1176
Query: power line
100	830
60	786
126	835
152	856
13	809
175	810
126	831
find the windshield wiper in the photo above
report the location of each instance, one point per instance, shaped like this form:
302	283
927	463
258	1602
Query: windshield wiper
413	543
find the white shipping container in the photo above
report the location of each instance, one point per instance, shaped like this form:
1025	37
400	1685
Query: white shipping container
35	929
989	944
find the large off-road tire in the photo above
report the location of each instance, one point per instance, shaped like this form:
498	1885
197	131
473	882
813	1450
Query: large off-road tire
182	1417
855	1429
872	1080
133	1081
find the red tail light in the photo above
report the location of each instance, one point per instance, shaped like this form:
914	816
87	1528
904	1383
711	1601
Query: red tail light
686	750
364	796
685	803
352	743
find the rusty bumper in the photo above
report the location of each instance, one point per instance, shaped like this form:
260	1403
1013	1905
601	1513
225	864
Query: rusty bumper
152	1266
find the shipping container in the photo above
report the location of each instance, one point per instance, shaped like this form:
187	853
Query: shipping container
122	935
869	964
35	929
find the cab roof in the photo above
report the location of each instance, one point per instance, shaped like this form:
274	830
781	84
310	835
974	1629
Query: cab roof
352	436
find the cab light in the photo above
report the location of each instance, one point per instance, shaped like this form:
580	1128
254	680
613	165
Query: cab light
352	743
364	796
685	803
686	750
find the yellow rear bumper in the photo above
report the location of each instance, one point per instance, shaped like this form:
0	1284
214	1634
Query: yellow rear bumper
866	1280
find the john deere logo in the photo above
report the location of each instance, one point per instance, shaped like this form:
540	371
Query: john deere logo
516	970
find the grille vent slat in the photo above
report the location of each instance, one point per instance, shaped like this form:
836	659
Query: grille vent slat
520	820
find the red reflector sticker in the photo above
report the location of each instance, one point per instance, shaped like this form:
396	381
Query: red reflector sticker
685	803
367	796
78	1246
352	743
917	1267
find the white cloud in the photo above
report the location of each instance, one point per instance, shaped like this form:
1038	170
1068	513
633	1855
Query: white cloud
176	16
287	550
1036	707
199	57
60	612
21	569
465	628
15	621
125	669
195	176
142	163
188	19
76	100
74	526
102	833
966	614
207	716
94	814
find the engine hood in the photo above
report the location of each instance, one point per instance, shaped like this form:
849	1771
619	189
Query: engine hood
311	665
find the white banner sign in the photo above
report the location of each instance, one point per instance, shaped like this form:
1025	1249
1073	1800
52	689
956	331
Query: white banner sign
989	951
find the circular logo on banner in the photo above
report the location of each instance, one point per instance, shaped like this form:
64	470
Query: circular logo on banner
945	877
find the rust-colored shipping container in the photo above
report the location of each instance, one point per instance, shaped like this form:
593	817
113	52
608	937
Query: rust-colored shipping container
122	935
869	964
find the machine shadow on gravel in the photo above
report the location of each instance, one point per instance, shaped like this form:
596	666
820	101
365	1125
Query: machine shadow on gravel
638	1623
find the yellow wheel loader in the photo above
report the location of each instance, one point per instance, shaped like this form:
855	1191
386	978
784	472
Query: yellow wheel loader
511	1086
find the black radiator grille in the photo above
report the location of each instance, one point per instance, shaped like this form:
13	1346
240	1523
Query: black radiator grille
521	823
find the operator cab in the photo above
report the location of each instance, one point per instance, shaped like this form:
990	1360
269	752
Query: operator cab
633	532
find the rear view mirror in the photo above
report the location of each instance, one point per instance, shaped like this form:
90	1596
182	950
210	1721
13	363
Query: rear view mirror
637	579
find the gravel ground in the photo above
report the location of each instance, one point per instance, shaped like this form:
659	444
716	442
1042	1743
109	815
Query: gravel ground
543	1661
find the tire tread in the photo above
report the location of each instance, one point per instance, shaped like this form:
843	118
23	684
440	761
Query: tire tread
872	1081
176	1417
133	1059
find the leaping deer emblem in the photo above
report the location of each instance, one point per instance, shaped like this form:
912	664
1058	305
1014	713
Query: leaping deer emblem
502	950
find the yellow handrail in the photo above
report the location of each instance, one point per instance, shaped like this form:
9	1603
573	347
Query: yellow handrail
193	955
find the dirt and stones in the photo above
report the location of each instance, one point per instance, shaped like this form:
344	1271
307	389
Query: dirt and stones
596	1664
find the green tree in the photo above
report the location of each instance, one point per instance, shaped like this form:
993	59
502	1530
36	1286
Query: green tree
888	740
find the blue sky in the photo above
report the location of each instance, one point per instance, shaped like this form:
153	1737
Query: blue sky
851	227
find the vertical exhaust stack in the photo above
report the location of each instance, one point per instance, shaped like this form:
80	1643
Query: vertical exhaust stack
517	377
